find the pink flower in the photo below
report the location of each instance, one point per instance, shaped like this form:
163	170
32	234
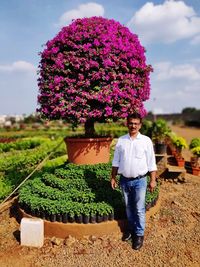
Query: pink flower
93	68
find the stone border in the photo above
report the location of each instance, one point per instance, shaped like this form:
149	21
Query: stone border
62	230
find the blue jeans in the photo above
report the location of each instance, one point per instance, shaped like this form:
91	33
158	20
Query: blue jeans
134	195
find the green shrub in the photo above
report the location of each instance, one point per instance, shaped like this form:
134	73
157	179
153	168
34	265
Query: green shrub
194	142
196	151
76	189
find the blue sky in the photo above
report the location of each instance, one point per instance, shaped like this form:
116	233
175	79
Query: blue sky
169	30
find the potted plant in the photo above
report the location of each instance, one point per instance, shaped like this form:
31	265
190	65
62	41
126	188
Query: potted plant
94	70
160	134
86	213
179	143
196	163
194	144
195	159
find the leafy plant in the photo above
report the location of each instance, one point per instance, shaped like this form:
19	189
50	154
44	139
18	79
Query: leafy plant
88	195
160	131
196	151
194	142
179	142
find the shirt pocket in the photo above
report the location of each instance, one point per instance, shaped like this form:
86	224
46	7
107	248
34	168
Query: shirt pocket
139	153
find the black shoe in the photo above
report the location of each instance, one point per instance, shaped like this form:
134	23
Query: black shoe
138	242
126	236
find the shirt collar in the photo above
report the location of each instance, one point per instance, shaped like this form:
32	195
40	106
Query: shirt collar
137	137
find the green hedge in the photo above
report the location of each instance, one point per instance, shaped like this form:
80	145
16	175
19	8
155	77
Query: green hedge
16	165
23	144
76	189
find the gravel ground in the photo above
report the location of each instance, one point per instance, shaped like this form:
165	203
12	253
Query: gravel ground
172	238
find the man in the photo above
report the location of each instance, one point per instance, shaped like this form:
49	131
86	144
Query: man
133	158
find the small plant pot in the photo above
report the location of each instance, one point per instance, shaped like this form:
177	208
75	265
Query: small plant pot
47	217
53	217
93	218
105	217
42	215
111	217
58	217
160	148
37	213
71	219
99	218
79	218
86	219
180	162
196	171
65	218
33	212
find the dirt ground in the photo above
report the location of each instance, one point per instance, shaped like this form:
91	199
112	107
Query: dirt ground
172	236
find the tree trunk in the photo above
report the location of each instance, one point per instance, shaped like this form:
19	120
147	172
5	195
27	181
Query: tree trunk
89	128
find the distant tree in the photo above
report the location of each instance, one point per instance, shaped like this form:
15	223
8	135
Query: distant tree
188	110
32	118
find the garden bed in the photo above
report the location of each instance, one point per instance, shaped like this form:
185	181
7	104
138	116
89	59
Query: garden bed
76	194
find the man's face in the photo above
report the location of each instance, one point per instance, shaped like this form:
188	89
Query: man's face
134	126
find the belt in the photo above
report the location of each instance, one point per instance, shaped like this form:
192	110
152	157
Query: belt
134	178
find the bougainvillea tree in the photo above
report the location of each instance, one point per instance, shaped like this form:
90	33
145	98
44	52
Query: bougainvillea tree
93	70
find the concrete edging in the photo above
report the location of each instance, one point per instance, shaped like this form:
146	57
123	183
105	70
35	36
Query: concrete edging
62	230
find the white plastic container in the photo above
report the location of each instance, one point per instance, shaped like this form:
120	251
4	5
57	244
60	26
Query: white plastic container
32	232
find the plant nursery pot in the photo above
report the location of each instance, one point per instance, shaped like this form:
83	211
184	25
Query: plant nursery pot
196	171
53	217
160	148
79	218
42	215
105	217
86	219
93	219
71	219
58	217
180	162
65	218
111	217
195	161
99	218
88	150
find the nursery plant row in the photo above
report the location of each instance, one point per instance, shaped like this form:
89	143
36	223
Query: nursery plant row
17	164
62	195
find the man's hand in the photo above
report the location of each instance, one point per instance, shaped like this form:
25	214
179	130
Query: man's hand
113	183
152	186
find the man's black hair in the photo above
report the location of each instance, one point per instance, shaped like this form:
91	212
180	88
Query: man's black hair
134	115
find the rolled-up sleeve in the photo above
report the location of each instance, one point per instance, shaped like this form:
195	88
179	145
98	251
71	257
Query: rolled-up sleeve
151	159
116	158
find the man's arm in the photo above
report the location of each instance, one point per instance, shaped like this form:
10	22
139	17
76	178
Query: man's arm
113	180
152	184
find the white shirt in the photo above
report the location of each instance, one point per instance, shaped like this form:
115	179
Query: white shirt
134	157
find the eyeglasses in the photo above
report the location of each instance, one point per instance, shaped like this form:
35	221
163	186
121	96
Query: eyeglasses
133	124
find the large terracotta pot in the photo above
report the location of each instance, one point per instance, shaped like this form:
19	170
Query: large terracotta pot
88	150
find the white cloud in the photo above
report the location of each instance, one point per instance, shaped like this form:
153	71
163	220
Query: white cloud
174	87
167	71
196	40
18	66
84	10
165	23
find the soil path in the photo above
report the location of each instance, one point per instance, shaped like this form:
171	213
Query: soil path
172	237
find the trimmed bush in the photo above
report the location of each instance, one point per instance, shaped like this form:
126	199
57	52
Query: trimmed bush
81	192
